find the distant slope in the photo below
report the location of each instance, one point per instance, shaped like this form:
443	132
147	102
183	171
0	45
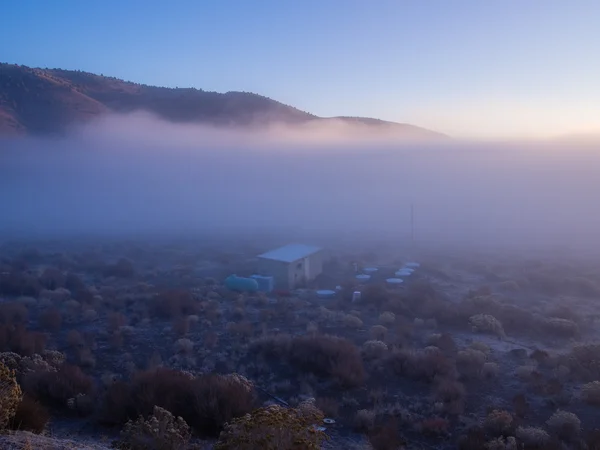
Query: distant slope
48	101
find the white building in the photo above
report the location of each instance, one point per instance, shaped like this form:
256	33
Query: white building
292	265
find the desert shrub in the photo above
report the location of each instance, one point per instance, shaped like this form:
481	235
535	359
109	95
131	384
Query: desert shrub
54	389
374	349
485	323
421	364
533	437
15	338
30	415
206	402
434	426
501	443
13	313
351	321
328	355
590	393
490	370
387	318
364	419
123	268
174	303
184	346
469	362
50	320
473	439
451	394
273	428
526	373
386	436
161	431
375	294
181	325
560	327
378	332
10	395
52	278
483	348
498	422
16	283
520	405
564	424
328	405
444	342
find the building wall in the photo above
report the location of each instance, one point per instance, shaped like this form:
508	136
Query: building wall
306	269
291	275
279	270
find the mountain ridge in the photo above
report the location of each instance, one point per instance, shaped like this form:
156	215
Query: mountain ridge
35	101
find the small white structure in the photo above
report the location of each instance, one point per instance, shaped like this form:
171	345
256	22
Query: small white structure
363	278
355	296
325	293
404	272
394	281
292	265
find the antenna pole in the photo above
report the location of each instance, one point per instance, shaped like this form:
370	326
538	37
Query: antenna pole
412	222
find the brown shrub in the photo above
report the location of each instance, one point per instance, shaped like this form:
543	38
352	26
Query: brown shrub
30	416
123	268
21	341
498	422
174	303
520	405
52	278
274	427
54	389
206	402
75	339
434	426
181	326
50	320
386	437
328	355
421	364
451	394
17	283
13	313
116	320
328	405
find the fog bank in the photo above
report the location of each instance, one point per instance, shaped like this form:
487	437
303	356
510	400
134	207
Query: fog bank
136	175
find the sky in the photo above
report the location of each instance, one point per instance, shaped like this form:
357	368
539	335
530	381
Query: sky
486	69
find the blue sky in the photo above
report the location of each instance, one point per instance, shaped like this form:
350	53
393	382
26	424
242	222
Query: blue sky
471	68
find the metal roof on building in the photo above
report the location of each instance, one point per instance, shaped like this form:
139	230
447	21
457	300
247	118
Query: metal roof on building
290	253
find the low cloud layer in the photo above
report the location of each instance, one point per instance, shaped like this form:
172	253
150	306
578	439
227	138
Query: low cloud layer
136	175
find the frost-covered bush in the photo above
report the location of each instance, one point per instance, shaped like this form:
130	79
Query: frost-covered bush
485	323
532	436
561	327
498	422
469	362
590	393
378	332
274	428
564	424
490	370
374	349
10	395
352	321
387	318
161	431
501	443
